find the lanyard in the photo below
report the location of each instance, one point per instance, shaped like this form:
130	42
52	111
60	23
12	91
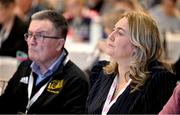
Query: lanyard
108	102
30	87
35	97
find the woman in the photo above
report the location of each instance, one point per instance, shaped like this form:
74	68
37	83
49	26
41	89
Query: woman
12	30
135	80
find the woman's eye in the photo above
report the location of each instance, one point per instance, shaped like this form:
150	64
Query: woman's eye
120	33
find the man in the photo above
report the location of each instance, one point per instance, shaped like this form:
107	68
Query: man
12	30
50	82
166	16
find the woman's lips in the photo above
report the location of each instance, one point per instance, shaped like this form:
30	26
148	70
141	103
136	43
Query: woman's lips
110	45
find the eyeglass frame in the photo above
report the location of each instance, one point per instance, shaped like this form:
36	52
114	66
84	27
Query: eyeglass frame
26	36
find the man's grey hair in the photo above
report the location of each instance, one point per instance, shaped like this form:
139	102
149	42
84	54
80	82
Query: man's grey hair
57	20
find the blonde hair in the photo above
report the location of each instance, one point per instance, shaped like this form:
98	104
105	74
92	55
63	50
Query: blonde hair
145	37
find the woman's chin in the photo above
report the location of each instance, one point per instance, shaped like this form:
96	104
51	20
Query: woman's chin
109	52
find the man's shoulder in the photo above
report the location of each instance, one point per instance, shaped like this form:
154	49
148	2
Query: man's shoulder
71	66
73	70
26	62
24	65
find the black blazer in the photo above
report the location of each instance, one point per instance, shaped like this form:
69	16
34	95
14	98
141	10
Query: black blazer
149	99
177	69
70	98
15	40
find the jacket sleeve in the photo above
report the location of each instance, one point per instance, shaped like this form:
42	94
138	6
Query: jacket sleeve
8	101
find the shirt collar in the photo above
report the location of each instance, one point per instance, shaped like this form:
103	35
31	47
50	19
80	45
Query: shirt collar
52	68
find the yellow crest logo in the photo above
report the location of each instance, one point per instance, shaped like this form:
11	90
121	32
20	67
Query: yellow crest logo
55	85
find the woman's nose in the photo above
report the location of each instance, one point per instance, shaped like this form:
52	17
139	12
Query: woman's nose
111	36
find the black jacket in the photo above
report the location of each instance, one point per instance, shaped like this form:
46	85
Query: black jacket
149	99
69	98
15	41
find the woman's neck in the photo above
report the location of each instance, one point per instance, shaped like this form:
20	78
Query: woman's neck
121	86
123	68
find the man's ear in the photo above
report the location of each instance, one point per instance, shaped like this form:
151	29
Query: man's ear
60	44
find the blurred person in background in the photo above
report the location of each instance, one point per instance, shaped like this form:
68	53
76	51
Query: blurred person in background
135	80
178	5
79	24
12	30
147	4
38	5
22	8
166	16
48	83
128	5
105	5
57	5
26	8
173	104
96	4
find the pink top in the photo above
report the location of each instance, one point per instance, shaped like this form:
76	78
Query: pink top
173	104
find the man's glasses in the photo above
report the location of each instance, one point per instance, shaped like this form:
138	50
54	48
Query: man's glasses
38	36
